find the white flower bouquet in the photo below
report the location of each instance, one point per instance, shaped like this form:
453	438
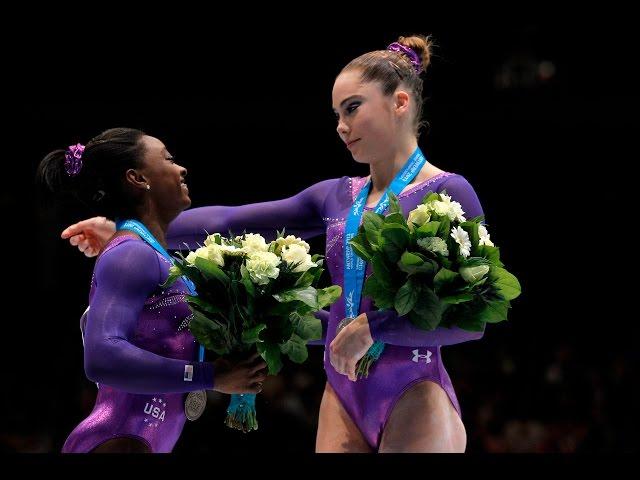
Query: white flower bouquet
436	267
254	295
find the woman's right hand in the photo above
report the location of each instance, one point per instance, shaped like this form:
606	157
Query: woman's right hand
90	235
242	377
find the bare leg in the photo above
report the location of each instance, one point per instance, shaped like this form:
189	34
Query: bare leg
336	431
424	421
122	445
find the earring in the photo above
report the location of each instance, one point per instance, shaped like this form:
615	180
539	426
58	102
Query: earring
148	187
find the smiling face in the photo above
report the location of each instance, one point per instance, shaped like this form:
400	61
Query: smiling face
168	191
367	119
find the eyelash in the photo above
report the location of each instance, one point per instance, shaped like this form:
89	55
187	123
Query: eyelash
352	107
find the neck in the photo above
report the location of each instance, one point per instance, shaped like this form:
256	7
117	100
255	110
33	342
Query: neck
384	170
155	224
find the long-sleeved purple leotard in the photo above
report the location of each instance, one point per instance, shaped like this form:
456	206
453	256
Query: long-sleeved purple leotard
412	354
138	350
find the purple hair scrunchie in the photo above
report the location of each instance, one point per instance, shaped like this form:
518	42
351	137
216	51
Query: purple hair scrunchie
412	55
73	159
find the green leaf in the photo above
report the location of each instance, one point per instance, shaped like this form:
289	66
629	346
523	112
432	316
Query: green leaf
372	223
470	323
271	355
396	239
171	279
211	271
394	204
413	263
457	298
429	229
495	312
427	312
430	196
444	278
406	297
397	218
444	229
490	253
481	312
328	295
306	295
213	335
382	296
381	270
295	348
203	304
360	249
474	237
505	283
306	279
308	327
409	259
252	335
246	281
285	309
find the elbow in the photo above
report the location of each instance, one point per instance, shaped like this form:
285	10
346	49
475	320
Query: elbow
98	364
477	335
94	369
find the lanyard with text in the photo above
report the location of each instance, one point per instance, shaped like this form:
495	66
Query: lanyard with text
354	266
147	236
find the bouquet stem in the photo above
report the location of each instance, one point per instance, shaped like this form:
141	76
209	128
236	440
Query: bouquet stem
241	413
365	363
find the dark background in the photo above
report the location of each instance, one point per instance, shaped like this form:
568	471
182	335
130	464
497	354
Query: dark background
538	112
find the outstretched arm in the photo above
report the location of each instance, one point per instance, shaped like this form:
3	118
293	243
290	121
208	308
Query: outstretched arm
300	214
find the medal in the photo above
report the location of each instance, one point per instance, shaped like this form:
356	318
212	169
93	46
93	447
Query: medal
343	323
194	404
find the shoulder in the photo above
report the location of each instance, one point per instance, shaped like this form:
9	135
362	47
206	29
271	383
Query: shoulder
130	259
455	181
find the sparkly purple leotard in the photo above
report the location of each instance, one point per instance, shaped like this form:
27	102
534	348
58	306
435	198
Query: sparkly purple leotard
139	351
412	355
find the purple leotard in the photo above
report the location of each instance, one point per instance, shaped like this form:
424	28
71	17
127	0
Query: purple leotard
138	350
412	355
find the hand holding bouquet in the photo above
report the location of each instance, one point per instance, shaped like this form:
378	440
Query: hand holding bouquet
254	295
435	267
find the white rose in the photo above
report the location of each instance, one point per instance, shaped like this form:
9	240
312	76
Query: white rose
231	250
211	239
441	208
211	252
214	253
473	274
253	243
191	258
262	266
419	216
291	240
295	253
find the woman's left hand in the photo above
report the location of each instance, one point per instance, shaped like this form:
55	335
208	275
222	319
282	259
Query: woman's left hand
350	345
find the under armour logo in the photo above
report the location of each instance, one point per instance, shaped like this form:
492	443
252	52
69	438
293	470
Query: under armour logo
416	356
